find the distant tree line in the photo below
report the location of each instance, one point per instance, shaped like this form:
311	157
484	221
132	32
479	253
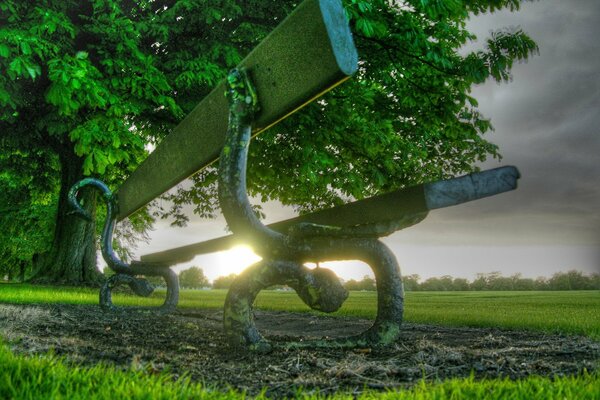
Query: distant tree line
570	280
194	278
366	283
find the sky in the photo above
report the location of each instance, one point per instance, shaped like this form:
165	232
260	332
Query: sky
547	123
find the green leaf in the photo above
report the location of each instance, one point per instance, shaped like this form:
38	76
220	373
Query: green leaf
4	50
88	165
364	6
112	158
25	48
34	71
16	66
365	26
101	162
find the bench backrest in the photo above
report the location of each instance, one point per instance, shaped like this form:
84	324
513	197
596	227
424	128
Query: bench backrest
309	53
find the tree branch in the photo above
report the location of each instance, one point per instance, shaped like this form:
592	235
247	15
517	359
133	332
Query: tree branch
387	47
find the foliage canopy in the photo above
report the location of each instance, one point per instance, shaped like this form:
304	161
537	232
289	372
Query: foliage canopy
87	86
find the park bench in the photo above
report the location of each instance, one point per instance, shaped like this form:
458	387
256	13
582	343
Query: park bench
309	53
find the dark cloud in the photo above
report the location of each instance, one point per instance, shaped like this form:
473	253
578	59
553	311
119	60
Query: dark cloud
547	122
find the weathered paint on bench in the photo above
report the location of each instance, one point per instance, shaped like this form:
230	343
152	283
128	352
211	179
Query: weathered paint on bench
309	53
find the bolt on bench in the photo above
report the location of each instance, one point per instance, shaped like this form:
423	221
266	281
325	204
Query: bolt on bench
309	53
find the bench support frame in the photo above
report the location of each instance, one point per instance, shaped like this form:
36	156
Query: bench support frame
284	254
125	273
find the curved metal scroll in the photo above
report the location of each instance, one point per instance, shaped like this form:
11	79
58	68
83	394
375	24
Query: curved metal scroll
125	273
284	254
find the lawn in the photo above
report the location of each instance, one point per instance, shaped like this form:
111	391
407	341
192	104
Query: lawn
563	312
569	312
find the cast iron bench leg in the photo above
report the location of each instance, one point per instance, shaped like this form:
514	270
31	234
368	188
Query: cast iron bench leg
284	254
320	289
124	273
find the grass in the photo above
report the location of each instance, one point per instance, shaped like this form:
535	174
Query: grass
568	312
49	378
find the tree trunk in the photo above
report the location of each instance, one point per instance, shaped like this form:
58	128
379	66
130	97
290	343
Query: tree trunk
22	268
72	258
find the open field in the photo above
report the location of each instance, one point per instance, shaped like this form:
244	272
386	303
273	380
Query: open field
461	345
572	312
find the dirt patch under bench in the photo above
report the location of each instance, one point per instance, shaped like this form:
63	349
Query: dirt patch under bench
192	343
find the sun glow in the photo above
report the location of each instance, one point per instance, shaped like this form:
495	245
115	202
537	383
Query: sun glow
236	260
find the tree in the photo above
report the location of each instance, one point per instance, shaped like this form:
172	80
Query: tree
520	283
498	282
352	284
595	281
541	283
78	87
224	282
480	282
89	84
193	278
25	214
570	280
443	283
366	283
411	282
460	284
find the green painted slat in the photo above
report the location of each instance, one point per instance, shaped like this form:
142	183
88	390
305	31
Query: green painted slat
310	52
409	206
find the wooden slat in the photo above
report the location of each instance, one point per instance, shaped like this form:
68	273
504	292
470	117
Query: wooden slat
405	204
309	53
